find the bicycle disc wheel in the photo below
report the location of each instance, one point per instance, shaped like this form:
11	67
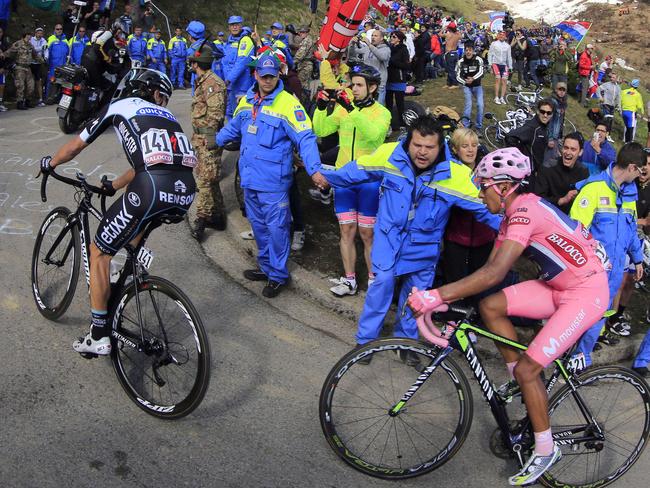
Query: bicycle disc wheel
169	378
356	399
490	134
55	264
619	401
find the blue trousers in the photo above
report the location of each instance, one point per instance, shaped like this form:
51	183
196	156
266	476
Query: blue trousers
589	338
50	74
160	66
270	218
476	91
178	72
231	102
642	359
451	58
379	298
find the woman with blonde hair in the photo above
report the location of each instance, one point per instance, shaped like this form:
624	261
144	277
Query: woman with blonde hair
467	243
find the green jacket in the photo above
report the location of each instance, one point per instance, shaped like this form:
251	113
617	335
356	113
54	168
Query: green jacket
561	62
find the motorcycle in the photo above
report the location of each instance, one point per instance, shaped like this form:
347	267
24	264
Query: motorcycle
78	101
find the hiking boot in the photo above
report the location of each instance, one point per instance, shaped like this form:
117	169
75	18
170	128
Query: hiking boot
344	286
366	359
198	231
410	359
620	328
255	275
272	289
643	371
535	467
217	222
298	240
88	345
323	197
21	105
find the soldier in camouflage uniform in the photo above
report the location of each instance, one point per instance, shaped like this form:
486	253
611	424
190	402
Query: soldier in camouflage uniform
24	53
208	112
303	58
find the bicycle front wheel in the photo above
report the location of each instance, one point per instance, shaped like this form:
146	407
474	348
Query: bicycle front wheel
168	375
55	264
356	402
617	402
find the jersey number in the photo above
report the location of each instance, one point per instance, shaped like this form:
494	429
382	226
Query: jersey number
159	148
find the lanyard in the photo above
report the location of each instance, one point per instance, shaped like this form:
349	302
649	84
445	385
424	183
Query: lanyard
257	103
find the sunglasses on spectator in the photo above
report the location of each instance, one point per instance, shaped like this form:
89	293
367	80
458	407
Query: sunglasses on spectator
58	28
545	112
560	88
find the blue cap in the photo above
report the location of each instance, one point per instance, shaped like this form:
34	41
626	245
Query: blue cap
635	83
277	25
220	33
268	33
267	64
196	29
235	19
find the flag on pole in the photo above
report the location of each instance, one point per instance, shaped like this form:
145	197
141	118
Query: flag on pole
577	30
496	21
48	5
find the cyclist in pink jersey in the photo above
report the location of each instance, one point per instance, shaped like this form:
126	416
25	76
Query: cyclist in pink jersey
571	291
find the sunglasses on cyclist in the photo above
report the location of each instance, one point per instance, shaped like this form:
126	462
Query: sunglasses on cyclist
545	112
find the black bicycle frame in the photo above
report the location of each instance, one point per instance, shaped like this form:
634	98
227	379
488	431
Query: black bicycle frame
516	440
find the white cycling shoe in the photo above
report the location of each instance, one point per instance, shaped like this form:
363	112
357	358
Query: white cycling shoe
344	286
88	345
535	467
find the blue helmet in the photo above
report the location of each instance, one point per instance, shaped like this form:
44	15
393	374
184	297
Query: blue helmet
196	29
635	83
235	19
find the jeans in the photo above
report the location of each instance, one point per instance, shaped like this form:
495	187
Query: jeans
532	66
555	78
476	91
451	59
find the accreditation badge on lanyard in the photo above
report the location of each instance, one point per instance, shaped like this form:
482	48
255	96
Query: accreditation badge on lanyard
257	103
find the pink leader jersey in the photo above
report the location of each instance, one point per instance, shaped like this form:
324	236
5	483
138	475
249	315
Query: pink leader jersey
563	249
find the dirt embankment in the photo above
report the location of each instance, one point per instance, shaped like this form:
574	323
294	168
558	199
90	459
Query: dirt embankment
622	35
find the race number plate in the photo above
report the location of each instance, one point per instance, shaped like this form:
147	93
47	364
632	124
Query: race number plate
145	256
577	363
65	101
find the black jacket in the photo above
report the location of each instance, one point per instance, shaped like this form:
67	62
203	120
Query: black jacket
399	64
555	182
531	139
470	67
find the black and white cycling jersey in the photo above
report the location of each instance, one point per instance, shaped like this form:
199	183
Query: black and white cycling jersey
150	135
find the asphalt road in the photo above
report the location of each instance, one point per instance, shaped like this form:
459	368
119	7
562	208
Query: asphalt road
66	421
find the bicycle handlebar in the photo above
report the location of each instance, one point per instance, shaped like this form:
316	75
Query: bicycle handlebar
80	182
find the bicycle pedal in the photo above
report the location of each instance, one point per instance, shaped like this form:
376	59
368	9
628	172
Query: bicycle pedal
88	355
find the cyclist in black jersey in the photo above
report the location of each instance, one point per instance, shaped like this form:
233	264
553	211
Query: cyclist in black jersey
159	180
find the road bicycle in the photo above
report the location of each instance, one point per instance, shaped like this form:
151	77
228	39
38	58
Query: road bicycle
496	132
409	410
160	351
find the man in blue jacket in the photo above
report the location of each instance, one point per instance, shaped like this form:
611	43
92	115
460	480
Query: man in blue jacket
177	49
196	31
56	53
420	183
157	53
598	153
238	53
269	123
606	206
137	47
77	44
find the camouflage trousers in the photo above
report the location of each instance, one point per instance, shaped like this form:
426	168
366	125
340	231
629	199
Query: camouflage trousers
23	78
209	201
304	74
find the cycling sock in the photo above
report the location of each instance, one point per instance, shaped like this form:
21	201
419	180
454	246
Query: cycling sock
351	276
544	442
371	276
99	320
511	369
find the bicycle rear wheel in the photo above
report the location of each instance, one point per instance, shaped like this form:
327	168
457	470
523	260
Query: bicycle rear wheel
170	376
619	402
356	399
55	264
